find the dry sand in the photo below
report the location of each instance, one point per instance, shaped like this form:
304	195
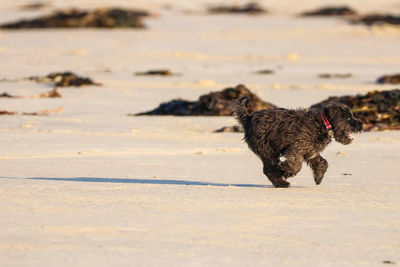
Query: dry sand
91	186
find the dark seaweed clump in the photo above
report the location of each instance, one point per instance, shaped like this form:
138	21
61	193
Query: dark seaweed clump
335	75
212	104
377	19
50	94
392	79
5	112
75	18
230	129
265	72
330	11
249	8
378	110
64	79
160	72
34	6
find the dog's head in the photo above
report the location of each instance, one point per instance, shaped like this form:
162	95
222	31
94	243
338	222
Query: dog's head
343	122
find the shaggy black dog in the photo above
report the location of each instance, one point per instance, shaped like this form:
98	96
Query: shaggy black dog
284	138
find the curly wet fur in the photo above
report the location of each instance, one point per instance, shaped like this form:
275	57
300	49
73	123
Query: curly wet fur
284	138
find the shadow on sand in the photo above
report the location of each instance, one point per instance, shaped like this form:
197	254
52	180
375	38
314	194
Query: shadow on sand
146	181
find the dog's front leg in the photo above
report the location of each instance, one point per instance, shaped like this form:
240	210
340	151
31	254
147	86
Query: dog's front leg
319	165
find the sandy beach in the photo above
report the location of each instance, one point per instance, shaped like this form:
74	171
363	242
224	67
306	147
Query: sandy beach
92	186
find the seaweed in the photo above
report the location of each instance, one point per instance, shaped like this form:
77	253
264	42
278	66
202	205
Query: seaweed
212	104
64	79
249	8
76	18
377	19
330	11
391	79
160	72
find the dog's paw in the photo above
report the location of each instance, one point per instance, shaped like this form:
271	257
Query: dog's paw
282	183
318	179
319	172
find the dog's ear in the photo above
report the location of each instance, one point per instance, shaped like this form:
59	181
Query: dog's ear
244	101
326	109
329	108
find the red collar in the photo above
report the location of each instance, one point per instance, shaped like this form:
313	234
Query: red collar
328	125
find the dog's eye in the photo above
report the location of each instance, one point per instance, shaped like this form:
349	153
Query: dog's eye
348	119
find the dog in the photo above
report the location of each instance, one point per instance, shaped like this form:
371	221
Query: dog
284	138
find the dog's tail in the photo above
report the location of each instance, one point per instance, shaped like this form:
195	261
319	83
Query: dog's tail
240	109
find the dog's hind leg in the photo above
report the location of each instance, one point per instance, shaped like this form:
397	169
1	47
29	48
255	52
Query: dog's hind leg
319	165
291	163
275	175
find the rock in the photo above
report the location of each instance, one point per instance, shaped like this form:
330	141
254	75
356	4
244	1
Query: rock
378	110
162	72
64	79
392	79
75	18
377	19
335	75
249	8
212	104
231	129
330	11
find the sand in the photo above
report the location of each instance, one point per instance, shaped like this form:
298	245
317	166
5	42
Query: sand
90	186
